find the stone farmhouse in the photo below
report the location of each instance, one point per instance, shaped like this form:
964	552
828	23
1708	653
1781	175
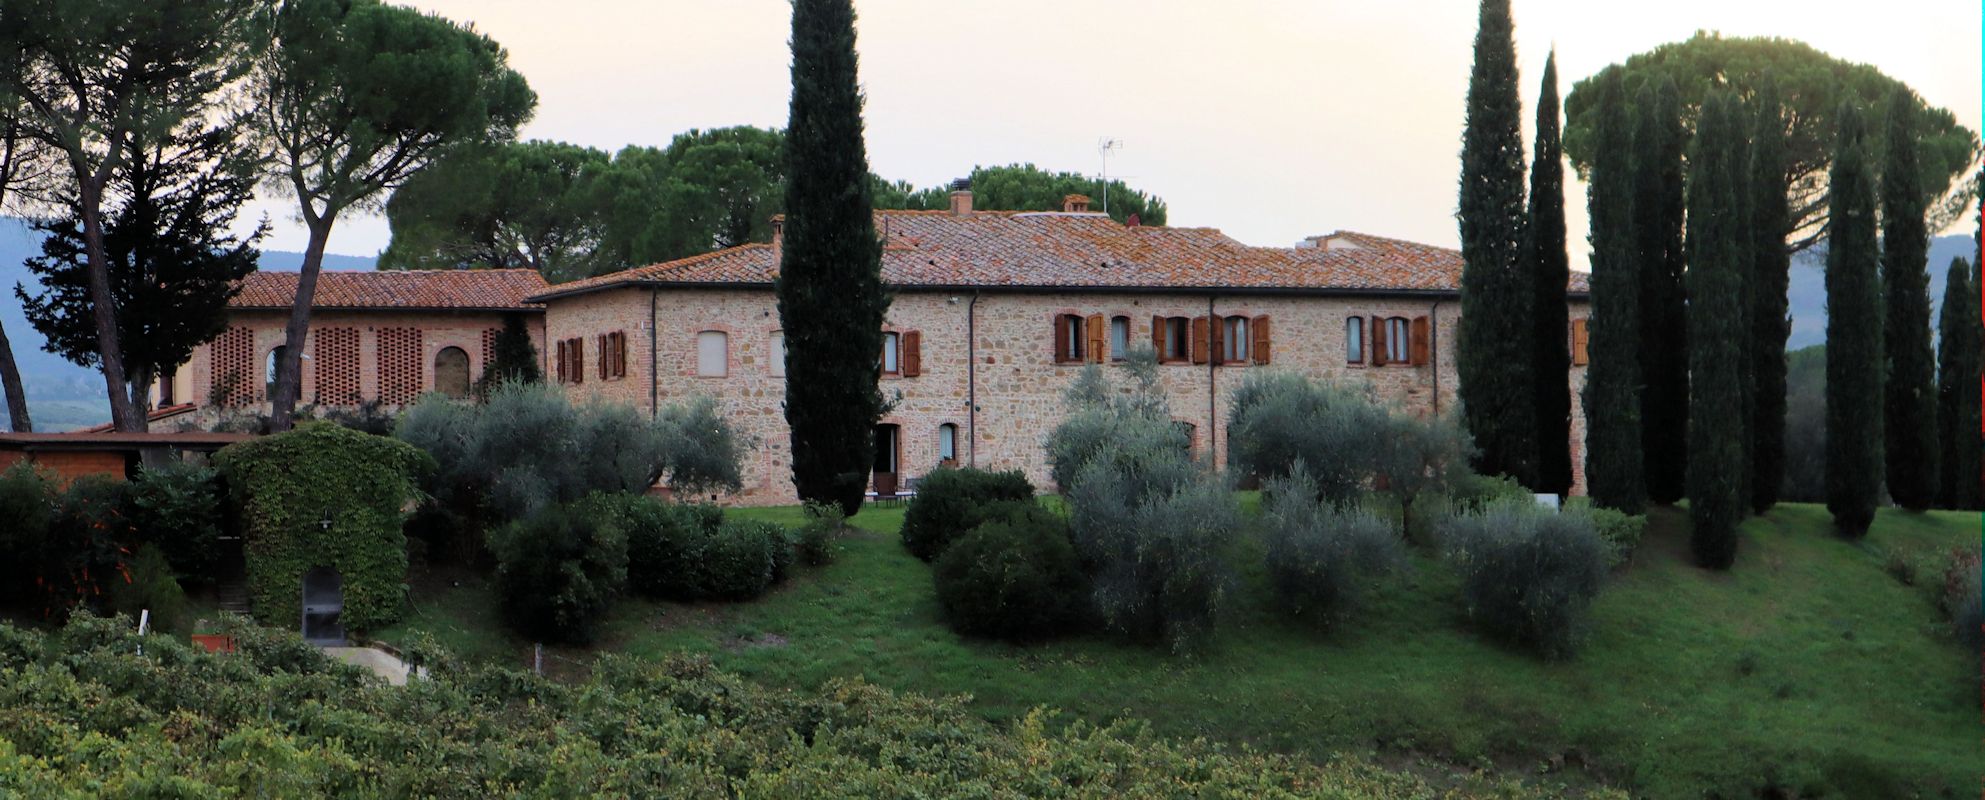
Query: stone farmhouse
994	314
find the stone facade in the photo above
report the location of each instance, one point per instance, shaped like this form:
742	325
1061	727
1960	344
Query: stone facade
997	347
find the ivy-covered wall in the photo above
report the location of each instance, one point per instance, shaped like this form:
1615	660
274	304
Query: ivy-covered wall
285	485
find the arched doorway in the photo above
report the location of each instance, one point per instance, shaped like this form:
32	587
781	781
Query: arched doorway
323	606
269	371
451	372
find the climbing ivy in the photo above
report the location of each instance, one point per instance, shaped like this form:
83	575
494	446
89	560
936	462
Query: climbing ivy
285	486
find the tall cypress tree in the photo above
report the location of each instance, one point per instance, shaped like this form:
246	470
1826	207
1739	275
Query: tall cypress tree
1715	284
1495	353
1910	384
1659	140
831	299
1549	268
1770	268
1958	358
1853	336
1612	382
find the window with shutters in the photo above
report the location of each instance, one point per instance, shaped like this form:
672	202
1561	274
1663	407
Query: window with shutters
1234	340
1580	337
1119	338
1398	341
1354	340
1176	340
1071	339
619	341
775	354
575	350
713	354
947	444
892	354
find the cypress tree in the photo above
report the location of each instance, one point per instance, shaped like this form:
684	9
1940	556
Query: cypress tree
1958	389
1494	362
513	358
831	298
1770	266
1612	382
1659	140
1853	336
1549	269
1715	285
1909	383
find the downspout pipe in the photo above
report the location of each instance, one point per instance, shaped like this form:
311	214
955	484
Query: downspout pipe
1212	387
972	379
1434	351
654	379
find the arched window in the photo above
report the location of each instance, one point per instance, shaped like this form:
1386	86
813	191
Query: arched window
1354	340
775	355
269	371
1234	340
1119	338
947	444
451	372
713	354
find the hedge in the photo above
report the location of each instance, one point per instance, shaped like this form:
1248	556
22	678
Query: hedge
82	714
283	486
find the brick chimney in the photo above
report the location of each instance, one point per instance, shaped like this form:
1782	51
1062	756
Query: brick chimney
1075	204
961	197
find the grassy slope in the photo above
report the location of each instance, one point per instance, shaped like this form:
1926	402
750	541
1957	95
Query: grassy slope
1806	666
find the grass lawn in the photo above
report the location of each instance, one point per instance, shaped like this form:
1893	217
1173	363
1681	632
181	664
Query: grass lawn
1809	666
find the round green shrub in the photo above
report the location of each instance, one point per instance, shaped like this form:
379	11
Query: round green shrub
665	543
1320	556
1619	530
951	502
558	571
1014	577
151	586
742	560
178	508
816	545
1528	574
27	514
286	487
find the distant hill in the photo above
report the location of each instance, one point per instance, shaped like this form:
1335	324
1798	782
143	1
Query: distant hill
60	394
1807	295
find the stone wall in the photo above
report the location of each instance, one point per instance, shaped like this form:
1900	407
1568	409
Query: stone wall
1003	343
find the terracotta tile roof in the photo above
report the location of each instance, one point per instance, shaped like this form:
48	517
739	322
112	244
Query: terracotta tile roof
1085	251
410	289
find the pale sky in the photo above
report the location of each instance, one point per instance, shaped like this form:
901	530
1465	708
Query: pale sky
1270	119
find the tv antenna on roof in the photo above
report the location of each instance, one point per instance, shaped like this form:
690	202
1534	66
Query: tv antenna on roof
1105	146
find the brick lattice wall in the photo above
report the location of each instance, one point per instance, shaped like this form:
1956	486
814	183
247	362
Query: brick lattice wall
488	348
337	365
233	374
400	361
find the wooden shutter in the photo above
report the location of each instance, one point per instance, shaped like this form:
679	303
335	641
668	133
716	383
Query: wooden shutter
913	353
1216	339
1381	354
1158	337
620	354
1099	343
1061	338
1579	335
1201	340
558	361
1264	344
578	359
1420	342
